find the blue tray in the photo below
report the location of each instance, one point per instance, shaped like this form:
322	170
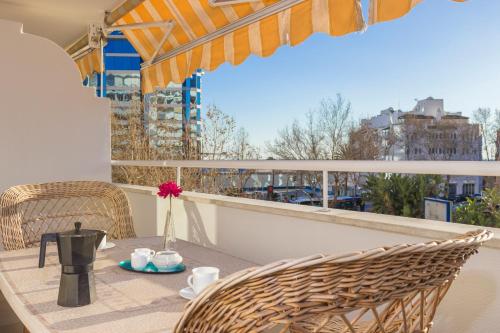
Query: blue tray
152	269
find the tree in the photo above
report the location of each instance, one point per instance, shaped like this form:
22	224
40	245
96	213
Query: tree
244	150
389	139
297	142
222	141
496	134
130	141
483	117
322	137
334	121
484	212
217	134
300	142
401	195
364	143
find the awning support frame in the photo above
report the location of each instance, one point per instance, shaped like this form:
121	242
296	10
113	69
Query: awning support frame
81	53
135	26
109	19
247	20
169	27
98	32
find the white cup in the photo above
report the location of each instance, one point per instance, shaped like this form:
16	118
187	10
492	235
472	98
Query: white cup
166	259
138	260
202	277
102	245
145	251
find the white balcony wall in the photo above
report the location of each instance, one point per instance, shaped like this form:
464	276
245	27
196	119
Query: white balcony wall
51	127
266	231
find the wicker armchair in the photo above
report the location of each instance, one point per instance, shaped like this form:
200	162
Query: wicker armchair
384	290
28	211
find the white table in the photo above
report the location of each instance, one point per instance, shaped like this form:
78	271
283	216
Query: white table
127	301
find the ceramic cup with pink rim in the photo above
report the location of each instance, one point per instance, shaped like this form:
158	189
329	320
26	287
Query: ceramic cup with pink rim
202	277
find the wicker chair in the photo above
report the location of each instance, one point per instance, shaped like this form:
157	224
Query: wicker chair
28	211
384	290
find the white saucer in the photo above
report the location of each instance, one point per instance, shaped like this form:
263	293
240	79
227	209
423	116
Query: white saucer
109	245
187	293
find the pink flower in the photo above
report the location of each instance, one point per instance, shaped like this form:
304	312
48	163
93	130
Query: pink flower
169	189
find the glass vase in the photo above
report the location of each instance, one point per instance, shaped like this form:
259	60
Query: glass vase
169	240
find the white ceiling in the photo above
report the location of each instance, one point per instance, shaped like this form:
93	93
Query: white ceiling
62	21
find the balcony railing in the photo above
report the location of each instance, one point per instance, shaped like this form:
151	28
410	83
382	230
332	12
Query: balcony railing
452	168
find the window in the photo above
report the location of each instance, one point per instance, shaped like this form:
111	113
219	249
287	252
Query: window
124	79
468	189
192	96
110	80
452	190
93	80
169	96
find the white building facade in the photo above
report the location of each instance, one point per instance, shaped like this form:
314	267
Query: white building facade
428	132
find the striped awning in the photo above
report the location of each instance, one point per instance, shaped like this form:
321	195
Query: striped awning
205	36
201	35
386	10
89	63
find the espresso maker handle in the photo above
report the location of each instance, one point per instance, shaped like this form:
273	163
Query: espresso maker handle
43	246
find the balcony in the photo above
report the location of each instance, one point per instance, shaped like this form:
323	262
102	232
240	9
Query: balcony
43	142
265	231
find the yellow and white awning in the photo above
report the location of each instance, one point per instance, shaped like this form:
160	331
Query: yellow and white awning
205	36
176	37
90	63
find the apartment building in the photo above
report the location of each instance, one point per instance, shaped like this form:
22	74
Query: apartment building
428	132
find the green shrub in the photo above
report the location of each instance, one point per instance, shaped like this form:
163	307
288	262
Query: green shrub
401	195
483	211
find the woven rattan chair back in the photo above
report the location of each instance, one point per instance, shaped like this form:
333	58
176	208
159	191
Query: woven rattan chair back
28	211
384	290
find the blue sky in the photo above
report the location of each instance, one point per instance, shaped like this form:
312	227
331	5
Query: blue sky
442	49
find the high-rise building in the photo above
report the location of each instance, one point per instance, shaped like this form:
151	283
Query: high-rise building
170	117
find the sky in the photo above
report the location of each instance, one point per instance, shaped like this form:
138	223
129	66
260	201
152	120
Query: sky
441	49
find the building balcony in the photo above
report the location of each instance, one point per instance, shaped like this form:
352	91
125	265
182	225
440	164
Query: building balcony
264	231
